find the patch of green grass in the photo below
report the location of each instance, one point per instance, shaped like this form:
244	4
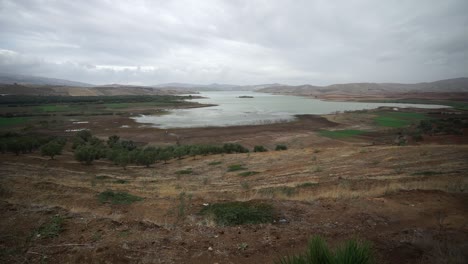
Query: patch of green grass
398	119
248	173
57	108
236	167
185	171
120	181
340	133
214	163
306	184
51	229
239	213
11	121
118	197
351	252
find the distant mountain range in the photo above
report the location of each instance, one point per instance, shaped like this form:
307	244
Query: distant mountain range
458	85
36	80
34	85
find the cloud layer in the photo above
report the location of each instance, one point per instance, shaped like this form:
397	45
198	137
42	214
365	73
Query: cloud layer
239	42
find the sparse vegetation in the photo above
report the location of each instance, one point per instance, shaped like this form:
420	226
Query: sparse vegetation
236	167
260	149
281	147
351	252
118	197
51	229
239	213
248	173
214	163
185	171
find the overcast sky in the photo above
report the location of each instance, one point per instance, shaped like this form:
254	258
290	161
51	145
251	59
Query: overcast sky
236	42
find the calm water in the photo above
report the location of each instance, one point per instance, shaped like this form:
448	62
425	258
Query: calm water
262	109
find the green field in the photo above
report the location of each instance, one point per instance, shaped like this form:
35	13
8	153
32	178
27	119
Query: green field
57	108
459	105
341	133
398	119
11	121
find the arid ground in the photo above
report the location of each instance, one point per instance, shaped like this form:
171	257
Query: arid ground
409	200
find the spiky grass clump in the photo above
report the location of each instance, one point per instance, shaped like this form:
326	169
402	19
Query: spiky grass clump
318	252
239	213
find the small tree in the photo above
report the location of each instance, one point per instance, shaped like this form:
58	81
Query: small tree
281	147
123	159
146	158
51	149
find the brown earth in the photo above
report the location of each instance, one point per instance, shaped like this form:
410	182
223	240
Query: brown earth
410	202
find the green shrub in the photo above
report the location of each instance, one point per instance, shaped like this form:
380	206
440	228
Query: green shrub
281	147
213	163
239	213
52	228
118	197
259	149
186	171
318	252
248	173
86	154
236	167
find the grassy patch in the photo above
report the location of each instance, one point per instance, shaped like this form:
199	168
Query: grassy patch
340	133
57	108
120	181
352	251
185	171
236	167
51	229
239	213
398	119
306	185
214	163
118	197
248	173
11	121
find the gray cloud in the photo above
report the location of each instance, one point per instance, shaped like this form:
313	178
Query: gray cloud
242	42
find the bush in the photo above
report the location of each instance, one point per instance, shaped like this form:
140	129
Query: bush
318	252
118	197
260	149
281	147
52	228
86	154
239	213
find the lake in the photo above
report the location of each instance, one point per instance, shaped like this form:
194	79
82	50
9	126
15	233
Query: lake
261	109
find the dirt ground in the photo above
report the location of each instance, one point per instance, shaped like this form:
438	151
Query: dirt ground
410	201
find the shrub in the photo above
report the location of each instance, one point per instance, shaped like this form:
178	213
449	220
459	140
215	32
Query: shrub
186	171
52	228
239	213
236	167
213	163
118	197
318	252
248	173
260	149
86	154
281	147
